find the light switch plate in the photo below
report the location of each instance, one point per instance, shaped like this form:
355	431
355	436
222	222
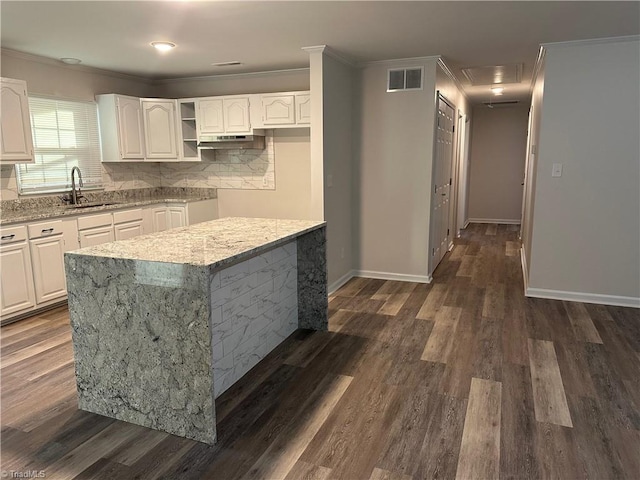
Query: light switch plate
557	170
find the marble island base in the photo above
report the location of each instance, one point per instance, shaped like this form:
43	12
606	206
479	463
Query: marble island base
155	342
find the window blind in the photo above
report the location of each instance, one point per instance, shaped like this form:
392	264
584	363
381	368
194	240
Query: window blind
65	135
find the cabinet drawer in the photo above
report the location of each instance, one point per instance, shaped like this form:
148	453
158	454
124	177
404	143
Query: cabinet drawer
93	221
127	216
45	229
13	234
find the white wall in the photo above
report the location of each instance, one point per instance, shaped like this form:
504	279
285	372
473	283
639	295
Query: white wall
338	103
261	82
394	148
498	150
586	224
291	198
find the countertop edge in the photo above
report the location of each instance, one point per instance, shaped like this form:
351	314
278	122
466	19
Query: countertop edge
218	264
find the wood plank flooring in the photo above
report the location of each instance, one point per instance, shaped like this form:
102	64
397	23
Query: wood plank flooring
462	378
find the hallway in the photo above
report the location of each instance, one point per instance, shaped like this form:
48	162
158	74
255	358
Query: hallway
463	377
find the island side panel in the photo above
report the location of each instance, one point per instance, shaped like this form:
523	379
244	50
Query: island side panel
313	303
141	343
254	307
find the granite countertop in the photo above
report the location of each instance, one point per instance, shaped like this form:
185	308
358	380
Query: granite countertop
216	243
30	210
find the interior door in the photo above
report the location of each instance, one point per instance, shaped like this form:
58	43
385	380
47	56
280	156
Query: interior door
441	190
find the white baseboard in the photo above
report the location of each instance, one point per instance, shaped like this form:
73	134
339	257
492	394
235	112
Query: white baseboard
466	224
402	277
331	289
504	221
583	297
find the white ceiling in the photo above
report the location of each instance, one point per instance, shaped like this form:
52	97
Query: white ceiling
266	35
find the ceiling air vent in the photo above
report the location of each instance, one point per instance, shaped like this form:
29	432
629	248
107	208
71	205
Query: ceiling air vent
401	79
226	64
507	103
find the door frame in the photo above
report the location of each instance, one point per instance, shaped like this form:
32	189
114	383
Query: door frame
439	96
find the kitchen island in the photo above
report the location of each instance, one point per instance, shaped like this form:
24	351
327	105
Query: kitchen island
162	324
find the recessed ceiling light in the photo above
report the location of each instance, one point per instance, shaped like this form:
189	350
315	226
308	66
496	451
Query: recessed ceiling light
71	61
497	90
163	46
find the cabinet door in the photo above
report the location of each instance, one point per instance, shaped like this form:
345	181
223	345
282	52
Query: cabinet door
160	129
96	236
210	117
177	217
160	219
16	144
130	126
278	110
303	109
16	279
47	256
128	230
236	115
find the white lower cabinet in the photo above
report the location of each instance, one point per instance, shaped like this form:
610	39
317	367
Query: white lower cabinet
95	229
32	256
96	236
128	224
47	257
160	219
16	278
177	216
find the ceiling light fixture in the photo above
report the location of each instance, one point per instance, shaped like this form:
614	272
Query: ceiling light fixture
70	60
163	46
497	90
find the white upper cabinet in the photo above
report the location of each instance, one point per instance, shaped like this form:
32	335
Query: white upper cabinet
16	143
236	115
303	108
160	122
285	109
121	128
131	127
223	115
278	109
210	116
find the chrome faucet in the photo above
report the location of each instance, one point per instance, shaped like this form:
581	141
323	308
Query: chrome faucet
75	196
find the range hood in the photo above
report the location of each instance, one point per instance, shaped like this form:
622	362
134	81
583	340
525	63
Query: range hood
231	142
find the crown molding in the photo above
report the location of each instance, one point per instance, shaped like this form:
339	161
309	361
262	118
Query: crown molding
5	52
454	79
594	41
209	78
398	61
330	52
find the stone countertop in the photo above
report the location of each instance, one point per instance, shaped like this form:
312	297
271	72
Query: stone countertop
35	210
217	243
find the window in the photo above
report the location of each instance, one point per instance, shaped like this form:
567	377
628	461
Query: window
65	135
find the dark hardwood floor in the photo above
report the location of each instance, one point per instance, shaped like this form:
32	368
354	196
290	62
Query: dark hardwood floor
461	378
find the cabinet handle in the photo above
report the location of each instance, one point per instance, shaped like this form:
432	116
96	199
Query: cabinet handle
47	230
7	237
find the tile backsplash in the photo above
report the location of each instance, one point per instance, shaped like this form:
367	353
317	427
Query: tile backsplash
234	169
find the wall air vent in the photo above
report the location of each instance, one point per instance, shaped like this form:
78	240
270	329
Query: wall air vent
401	79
